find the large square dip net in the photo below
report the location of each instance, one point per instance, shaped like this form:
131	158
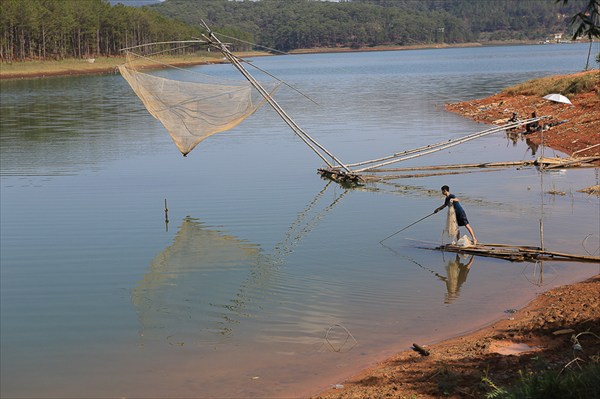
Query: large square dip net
191	105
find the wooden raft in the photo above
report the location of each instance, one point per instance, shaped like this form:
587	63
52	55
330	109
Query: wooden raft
341	176
517	253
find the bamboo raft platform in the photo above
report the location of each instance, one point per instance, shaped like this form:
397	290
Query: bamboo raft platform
517	253
374	175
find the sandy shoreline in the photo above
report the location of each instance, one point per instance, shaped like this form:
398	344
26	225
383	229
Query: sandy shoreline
90	69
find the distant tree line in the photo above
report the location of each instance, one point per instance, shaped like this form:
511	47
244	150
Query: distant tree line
58	29
291	24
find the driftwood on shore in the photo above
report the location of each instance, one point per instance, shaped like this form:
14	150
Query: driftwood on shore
420	349
517	253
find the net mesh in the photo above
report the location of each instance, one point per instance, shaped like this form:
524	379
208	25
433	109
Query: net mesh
193	109
451	230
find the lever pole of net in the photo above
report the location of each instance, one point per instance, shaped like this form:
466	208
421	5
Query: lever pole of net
412	224
308	140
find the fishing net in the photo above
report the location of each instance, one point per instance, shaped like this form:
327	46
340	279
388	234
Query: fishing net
451	230
194	107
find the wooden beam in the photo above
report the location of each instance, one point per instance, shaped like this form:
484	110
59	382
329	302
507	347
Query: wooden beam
517	253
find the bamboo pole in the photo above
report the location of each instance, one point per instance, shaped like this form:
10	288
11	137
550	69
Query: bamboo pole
585	149
418	149
511	246
587	258
195	41
308	140
437	147
442	145
417	175
515	252
573	161
457	166
166	216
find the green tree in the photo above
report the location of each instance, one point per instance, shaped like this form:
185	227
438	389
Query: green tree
587	23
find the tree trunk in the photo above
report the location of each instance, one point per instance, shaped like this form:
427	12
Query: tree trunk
22	45
43	42
587	63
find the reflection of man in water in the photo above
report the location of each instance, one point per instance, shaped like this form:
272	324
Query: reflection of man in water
514	137
532	145
457	272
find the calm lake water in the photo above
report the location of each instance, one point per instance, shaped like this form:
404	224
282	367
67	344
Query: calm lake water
267	281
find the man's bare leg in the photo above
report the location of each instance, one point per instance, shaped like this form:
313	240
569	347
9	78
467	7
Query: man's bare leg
472	234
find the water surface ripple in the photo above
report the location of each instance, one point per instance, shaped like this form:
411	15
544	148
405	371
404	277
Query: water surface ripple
267	281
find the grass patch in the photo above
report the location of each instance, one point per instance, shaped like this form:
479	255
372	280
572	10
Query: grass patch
570	384
48	67
101	65
567	85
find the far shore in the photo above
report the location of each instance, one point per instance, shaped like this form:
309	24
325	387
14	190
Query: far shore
105	65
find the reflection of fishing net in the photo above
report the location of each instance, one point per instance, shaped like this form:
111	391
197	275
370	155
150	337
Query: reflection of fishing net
192	286
192	109
451	230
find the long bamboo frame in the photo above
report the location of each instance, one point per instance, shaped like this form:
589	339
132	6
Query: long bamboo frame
339	170
308	140
424	150
518	253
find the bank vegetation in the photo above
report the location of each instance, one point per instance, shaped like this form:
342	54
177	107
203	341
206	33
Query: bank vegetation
59	29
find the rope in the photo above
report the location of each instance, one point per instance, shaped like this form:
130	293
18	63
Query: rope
253	44
186	70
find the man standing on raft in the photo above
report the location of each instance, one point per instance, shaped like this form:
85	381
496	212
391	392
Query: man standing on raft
461	215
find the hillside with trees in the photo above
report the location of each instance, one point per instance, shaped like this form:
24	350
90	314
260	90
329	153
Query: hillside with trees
58	29
292	24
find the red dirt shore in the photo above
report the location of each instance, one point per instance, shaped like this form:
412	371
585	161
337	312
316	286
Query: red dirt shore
548	327
580	130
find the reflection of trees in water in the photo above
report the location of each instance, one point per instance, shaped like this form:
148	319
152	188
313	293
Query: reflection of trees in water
205	281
